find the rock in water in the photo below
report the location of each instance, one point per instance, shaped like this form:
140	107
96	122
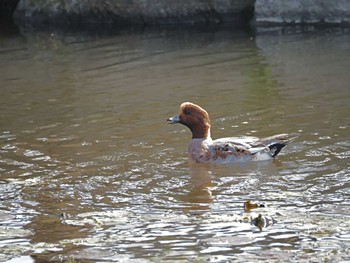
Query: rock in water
302	11
134	12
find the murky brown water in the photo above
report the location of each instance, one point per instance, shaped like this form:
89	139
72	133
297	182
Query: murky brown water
90	169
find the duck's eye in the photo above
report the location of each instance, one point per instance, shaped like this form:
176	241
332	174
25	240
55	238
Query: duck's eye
187	111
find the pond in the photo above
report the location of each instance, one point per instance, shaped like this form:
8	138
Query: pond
91	171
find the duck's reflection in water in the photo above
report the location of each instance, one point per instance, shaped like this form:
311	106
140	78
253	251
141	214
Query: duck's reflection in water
200	195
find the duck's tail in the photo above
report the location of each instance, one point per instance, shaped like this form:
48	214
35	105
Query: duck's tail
276	142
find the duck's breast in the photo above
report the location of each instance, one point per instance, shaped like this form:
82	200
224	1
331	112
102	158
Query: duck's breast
199	150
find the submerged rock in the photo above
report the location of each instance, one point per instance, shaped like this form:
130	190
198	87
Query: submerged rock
134	12
302	11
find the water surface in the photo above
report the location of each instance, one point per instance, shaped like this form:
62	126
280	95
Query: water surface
90	170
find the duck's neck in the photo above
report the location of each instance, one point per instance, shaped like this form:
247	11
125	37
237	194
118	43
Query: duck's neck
201	133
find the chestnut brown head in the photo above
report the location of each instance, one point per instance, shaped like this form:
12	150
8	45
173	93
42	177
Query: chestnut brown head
195	118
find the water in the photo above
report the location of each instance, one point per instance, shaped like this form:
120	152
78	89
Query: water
91	171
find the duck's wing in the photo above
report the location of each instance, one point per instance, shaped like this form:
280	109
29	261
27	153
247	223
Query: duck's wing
238	146
243	141
252	145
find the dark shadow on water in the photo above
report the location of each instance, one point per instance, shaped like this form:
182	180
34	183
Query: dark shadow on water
7	27
299	29
94	30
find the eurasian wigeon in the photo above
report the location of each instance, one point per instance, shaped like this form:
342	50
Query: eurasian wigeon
203	149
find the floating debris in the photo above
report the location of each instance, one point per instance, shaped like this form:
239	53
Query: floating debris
248	205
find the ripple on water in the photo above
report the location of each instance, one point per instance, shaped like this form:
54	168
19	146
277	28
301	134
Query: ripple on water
87	142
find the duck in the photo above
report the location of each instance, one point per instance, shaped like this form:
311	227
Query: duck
203	149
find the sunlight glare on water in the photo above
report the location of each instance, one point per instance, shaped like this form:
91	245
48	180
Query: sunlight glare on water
90	169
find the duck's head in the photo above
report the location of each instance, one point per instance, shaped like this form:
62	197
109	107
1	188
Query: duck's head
195	118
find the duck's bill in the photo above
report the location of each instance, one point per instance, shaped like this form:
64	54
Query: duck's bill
173	120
